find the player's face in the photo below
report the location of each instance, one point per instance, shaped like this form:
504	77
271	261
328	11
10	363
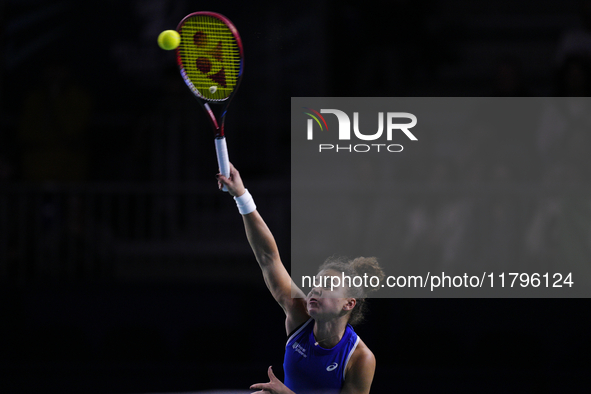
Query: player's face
326	301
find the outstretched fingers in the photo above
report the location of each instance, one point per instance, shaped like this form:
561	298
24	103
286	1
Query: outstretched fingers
272	377
275	386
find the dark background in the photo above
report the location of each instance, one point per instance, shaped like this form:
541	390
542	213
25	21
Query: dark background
123	269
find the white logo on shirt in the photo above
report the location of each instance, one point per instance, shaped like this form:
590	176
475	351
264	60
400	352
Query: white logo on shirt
299	348
332	366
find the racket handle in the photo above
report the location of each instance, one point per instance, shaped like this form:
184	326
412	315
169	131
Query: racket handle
221	149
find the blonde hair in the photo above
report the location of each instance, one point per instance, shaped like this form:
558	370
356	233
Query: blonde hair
357	267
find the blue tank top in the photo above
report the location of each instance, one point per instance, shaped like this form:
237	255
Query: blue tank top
311	368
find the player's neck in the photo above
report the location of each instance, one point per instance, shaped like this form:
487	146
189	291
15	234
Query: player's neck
328	333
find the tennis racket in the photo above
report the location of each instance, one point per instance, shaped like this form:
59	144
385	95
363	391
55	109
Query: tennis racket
211	61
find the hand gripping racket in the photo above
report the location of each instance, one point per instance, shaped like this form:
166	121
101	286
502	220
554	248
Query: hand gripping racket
211	60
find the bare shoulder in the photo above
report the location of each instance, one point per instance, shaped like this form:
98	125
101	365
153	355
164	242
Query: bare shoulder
296	314
362	357
360	371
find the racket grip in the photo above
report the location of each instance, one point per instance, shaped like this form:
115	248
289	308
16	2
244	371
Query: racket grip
221	149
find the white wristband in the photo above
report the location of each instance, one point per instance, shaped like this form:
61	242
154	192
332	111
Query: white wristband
245	203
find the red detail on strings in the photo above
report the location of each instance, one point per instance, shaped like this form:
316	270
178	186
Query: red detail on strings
203	65
219	77
216	52
200	39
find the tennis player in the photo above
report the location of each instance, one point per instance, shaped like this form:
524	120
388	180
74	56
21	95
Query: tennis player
323	353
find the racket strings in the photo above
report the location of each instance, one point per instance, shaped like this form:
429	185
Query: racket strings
209	57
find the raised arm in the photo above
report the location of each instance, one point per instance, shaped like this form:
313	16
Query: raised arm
265	250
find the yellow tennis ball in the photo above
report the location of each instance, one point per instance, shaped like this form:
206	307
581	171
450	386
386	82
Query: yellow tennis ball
169	40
